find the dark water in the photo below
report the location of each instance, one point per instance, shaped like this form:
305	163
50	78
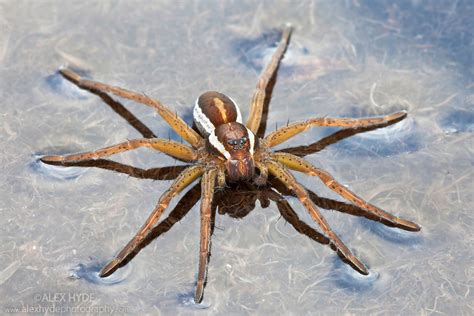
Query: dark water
351	58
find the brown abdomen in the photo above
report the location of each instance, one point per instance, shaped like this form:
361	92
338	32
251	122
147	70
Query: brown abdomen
213	109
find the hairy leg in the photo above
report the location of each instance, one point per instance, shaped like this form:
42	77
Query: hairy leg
291	217
207	192
259	94
280	172
182	208
262	178
304	150
183	180
169	147
299	164
176	123
282	134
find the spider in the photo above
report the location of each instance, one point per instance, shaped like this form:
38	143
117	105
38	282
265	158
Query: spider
225	150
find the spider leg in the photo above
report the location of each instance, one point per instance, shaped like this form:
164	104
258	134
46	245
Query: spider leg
207	192
262	178
291	130
175	122
221	183
122	111
182	181
161	173
333	138
280	172
296	163
182	208
259	94
291	217
169	147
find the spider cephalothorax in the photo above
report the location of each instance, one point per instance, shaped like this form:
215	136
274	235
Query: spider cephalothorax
218	117
226	149
236	144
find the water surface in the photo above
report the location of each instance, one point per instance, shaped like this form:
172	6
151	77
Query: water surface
351	58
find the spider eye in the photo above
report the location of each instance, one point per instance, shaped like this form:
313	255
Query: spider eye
243	140
232	142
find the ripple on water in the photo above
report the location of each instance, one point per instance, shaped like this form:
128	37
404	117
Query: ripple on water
255	53
392	234
402	137
55	172
187	300
90	272
61	86
458	120
346	277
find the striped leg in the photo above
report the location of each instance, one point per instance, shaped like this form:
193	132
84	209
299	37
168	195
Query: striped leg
161	173
291	217
280	172
299	164
176	123
184	180
285	133
185	204
259	94
207	192
304	150
122	111
169	147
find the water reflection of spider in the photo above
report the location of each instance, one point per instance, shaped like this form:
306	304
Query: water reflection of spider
225	151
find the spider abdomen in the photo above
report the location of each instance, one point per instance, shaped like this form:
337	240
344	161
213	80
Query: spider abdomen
213	109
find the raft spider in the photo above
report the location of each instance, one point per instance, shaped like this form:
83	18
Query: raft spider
227	150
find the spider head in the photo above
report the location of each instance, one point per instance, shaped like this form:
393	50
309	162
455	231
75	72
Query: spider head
235	143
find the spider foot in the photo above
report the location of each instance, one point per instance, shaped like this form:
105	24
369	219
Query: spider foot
70	75
109	268
346	255
52	160
407	225
358	265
